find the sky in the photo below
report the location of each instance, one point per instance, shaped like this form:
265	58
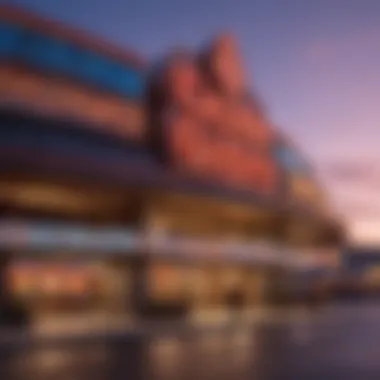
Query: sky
315	64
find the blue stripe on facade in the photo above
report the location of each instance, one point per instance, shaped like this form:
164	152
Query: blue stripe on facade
10	37
62	58
291	161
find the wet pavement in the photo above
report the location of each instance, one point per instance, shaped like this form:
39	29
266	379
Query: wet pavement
337	342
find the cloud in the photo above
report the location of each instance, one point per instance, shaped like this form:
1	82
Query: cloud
365	231
351	175
324	51
363	219
351	171
369	211
353	186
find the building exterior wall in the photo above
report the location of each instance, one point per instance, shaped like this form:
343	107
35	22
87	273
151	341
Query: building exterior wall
211	133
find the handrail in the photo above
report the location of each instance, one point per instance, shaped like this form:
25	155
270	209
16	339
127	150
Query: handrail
45	237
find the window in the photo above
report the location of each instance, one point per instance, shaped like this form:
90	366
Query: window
291	160
10	38
60	57
47	54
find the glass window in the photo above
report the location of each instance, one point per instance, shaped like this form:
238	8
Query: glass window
109	76
10	38
93	69
292	160
132	83
112	77
47	53
57	56
123	79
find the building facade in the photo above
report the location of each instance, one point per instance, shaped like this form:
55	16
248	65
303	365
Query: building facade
143	188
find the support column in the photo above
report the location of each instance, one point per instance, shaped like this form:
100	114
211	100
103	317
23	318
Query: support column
4	286
4	290
139	287
127	290
11	312
280	230
274	276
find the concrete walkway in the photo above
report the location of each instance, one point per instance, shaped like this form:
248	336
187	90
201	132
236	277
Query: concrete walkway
99	324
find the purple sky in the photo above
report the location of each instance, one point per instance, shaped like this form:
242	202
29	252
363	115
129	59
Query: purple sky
315	63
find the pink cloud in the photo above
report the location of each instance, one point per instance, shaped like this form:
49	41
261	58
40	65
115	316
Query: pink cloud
365	231
324	51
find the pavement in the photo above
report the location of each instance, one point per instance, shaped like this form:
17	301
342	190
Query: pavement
94	325
340	341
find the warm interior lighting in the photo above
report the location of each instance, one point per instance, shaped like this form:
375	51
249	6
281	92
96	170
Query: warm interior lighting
367	232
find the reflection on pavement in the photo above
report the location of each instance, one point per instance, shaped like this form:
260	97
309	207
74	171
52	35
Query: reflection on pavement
342	342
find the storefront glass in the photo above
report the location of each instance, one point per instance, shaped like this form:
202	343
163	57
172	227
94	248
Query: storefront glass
67	286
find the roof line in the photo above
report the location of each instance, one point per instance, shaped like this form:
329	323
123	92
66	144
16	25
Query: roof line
28	19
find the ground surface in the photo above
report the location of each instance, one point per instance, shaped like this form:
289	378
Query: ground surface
338	342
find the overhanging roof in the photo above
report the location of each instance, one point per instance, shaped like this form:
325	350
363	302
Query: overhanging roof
56	148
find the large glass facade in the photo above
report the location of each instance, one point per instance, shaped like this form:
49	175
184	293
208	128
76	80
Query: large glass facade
59	287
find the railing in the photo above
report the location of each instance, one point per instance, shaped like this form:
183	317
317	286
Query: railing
27	237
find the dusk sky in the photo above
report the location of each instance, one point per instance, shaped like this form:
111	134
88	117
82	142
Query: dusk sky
315	64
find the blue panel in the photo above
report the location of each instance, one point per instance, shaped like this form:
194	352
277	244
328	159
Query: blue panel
55	56
92	69
10	38
132	82
62	58
291	160
48	54
114	78
110	76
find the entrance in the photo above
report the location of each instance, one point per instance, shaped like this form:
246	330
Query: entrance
58	287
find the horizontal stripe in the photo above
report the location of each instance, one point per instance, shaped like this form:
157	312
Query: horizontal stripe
45	237
54	147
53	135
19	17
52	236
54	97
59	57
50	164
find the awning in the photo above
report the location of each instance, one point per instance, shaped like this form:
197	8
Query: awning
53	237
60	239
54	149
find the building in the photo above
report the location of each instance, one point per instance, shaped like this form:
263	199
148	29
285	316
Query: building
143	188
360	267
